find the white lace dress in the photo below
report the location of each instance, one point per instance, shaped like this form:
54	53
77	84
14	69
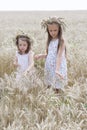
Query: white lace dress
50	65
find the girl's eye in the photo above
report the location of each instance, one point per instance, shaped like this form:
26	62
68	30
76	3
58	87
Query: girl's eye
50	30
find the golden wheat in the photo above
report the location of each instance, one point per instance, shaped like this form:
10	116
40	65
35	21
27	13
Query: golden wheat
28	104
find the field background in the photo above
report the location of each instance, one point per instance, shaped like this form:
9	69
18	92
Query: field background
29	105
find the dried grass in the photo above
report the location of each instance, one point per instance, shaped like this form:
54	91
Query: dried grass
28	104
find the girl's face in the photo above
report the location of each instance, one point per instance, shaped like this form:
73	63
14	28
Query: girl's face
22	45
53	30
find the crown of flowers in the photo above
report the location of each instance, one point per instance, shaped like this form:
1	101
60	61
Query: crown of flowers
50	20
20	32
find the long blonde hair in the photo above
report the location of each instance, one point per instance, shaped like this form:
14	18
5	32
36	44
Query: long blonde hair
61	25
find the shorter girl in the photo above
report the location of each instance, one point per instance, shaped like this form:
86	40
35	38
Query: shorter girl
24	56
55	64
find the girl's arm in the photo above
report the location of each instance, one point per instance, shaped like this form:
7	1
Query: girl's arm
31	62
40	56
59	59
15	62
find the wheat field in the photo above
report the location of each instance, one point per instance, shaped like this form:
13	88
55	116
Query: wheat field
28	104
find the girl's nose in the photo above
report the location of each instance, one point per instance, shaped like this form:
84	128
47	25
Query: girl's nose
53	33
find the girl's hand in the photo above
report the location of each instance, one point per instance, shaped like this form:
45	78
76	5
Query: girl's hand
40	56
26	72
16	64
57	73
37	56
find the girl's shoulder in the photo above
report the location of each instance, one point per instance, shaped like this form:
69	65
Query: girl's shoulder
31	52
17	54
63	42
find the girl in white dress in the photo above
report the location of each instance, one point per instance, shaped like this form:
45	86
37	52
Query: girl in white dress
55	65
24	56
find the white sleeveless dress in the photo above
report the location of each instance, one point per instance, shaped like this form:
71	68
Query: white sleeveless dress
50	65
23	61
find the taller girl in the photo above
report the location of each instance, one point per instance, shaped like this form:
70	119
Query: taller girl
55	65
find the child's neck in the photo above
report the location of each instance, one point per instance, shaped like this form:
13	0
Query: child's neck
22	53
54	39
